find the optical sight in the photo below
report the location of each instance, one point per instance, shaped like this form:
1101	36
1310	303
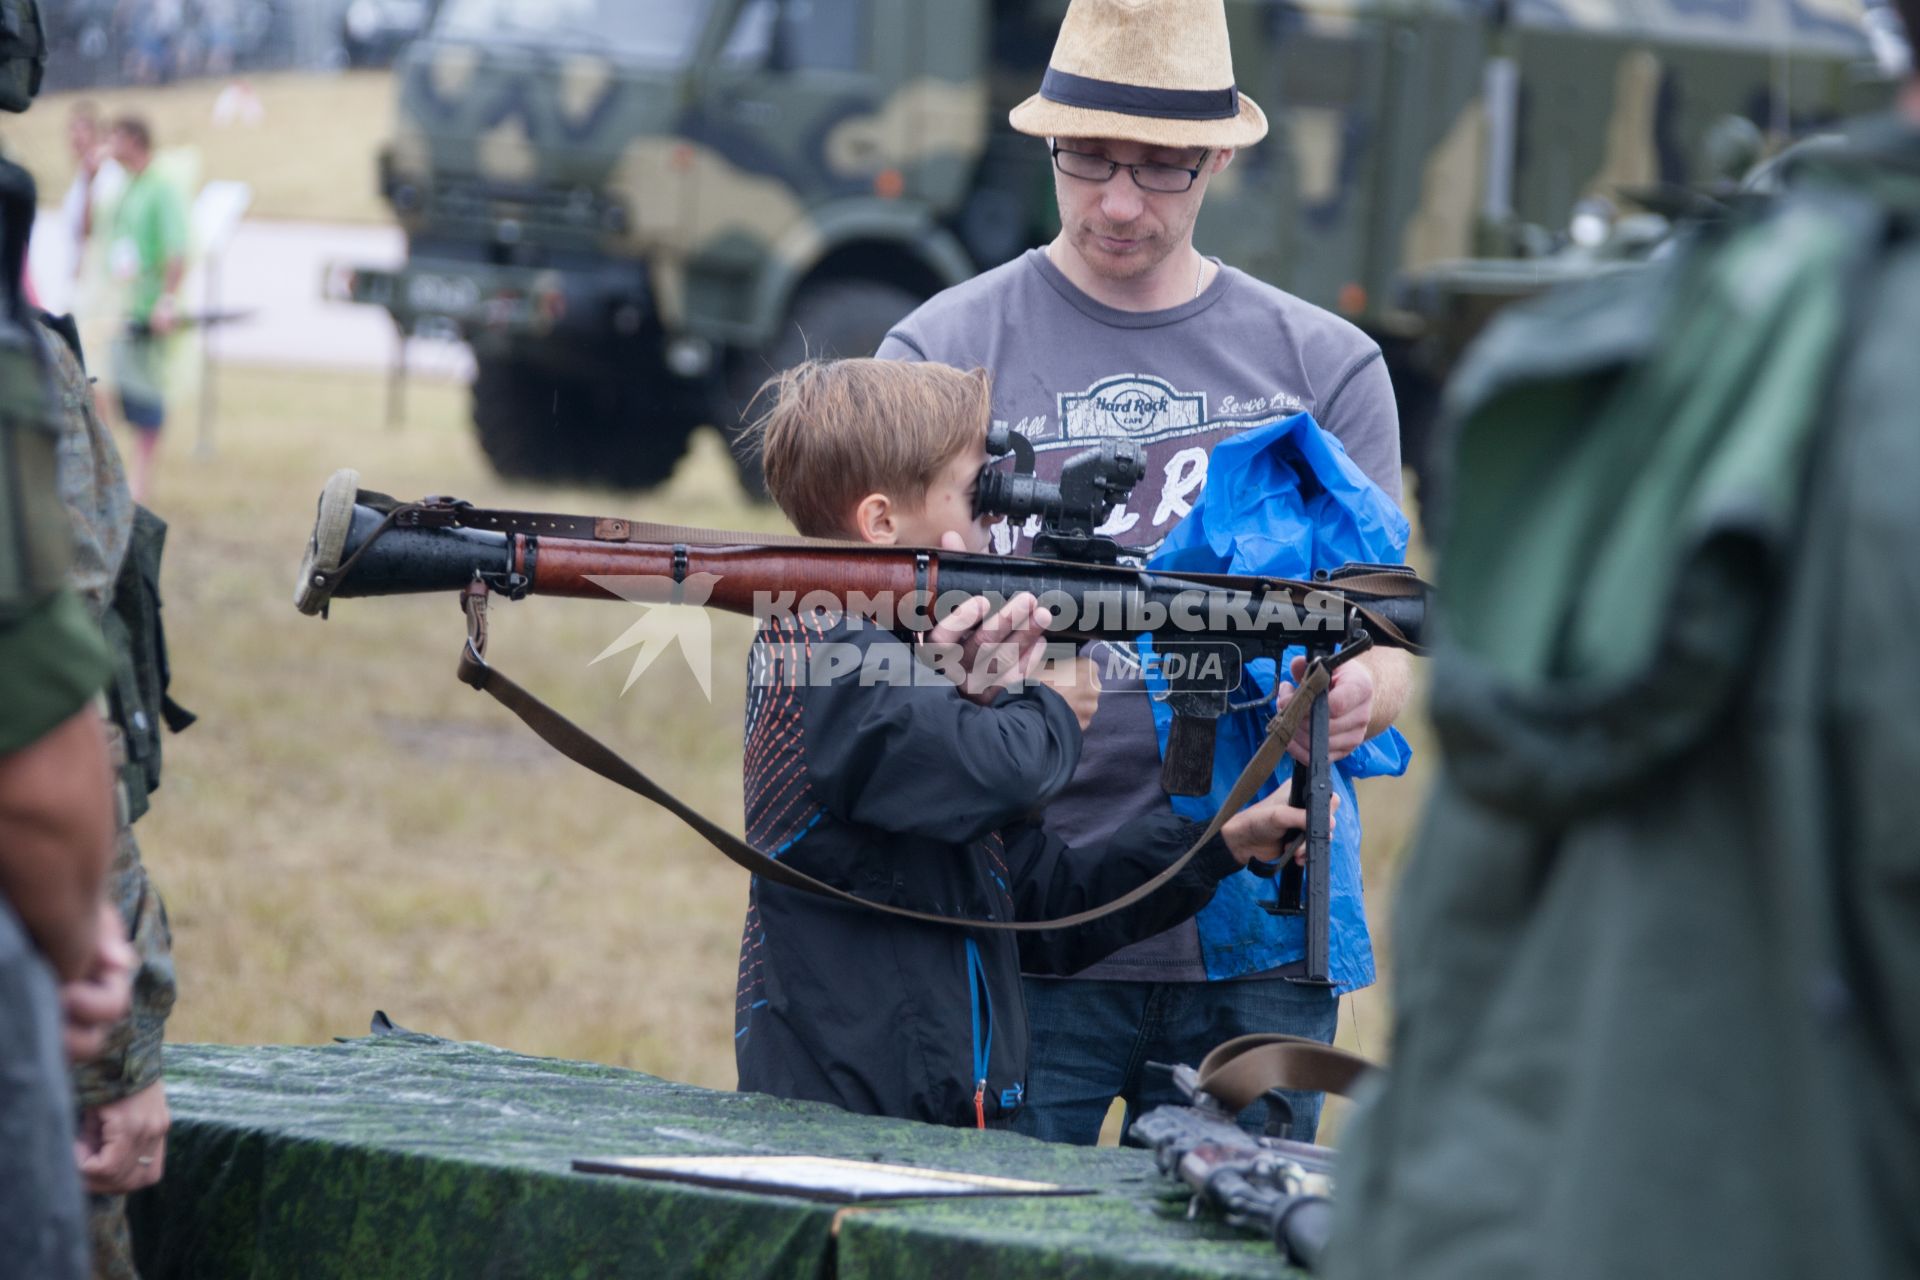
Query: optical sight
1092	483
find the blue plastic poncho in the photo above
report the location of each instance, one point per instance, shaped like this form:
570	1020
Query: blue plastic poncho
1283	499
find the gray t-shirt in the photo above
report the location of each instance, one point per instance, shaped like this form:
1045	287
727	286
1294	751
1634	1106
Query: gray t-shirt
1068	370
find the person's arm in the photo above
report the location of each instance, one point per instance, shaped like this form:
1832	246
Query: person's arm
56	838
1052	879
117	1136
1367	695
1360	412
124	1114
891	744
1392	673
173	241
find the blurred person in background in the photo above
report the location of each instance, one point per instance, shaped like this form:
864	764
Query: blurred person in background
157	27
97	183
1657	950
217	23
146	255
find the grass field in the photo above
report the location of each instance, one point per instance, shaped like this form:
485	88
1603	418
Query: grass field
310	157
349	828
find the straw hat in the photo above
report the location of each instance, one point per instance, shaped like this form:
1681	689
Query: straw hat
1152	71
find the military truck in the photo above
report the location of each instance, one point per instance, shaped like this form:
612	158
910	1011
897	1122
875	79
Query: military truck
634	212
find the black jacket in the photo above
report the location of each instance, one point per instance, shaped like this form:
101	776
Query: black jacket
906	793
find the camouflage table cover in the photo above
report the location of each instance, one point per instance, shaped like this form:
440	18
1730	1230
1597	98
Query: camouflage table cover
408	1156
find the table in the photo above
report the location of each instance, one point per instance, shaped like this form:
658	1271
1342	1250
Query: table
403	1155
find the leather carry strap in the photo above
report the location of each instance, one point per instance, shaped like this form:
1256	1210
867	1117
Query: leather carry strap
581	747
1243	1069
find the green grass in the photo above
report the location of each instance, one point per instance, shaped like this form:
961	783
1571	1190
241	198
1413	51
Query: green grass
349	828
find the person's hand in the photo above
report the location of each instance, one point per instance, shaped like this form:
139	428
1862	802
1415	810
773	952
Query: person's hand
90	1005
1257	830
984	654
122	1146
993	652
1075	679
164	316
1349	710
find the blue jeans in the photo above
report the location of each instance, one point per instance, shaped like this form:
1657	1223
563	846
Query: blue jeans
1093	1039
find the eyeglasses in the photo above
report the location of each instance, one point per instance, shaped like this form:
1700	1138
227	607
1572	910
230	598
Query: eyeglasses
1170	178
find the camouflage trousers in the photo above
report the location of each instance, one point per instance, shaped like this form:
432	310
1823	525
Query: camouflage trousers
109	1240
132	1058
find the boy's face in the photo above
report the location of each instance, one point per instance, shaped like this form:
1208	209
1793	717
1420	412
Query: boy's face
947	508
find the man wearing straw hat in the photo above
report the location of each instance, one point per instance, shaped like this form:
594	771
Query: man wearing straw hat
1120	326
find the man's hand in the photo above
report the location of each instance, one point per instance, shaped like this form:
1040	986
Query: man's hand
122	1145
164	317
1350	707
1075	679
1257	830
93	1002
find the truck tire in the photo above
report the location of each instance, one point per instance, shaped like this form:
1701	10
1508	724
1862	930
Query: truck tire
535	425
511	404
831	319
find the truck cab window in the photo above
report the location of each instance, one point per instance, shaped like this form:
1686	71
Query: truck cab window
798	35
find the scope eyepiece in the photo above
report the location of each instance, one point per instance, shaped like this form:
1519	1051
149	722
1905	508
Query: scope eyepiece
1091	483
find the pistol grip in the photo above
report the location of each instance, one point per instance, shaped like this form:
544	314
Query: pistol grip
1187	768
1289	895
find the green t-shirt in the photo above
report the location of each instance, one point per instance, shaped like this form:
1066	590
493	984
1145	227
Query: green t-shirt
52	660
149	231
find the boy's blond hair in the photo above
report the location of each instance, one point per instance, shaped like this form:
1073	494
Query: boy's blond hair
838	430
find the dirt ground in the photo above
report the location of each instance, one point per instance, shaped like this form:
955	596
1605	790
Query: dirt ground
348	828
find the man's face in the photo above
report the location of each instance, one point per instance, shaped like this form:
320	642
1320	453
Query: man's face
1120	230
948	506
126	150
82	134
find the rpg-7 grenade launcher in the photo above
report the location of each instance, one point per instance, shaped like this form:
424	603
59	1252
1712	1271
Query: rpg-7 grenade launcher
369	544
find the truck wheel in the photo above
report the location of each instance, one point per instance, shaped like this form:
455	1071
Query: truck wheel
513	407
832	319
534	425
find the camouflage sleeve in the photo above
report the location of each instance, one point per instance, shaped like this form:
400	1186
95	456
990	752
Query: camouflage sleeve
52	662
132	1058
93	483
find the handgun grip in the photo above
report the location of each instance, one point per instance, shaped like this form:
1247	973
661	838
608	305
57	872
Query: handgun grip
1187	768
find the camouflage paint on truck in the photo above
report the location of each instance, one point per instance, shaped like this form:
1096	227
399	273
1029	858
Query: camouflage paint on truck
636	217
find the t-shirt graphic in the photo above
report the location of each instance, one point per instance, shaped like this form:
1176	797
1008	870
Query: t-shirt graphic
1170	425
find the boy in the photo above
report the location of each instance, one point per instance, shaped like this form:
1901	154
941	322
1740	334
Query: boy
919	793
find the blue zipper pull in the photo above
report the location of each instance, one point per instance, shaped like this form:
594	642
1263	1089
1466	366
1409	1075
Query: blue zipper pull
982	1052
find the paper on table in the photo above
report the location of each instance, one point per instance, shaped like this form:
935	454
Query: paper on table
819	1177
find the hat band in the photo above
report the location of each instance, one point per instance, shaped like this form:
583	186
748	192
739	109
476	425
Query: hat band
1138	100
